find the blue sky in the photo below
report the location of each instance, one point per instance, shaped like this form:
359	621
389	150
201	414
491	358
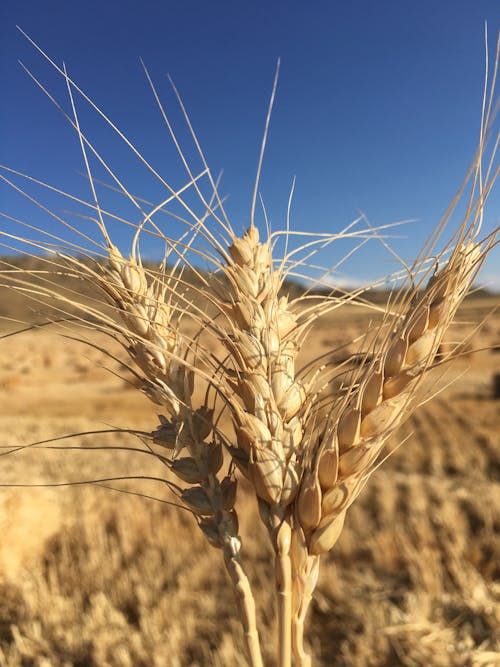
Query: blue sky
377	109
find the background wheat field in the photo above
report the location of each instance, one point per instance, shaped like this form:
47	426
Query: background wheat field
92	576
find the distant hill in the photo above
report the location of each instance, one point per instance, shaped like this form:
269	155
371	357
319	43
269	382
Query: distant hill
27	307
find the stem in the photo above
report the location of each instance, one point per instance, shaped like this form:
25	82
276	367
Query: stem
283	574
231	545
308	581
246	605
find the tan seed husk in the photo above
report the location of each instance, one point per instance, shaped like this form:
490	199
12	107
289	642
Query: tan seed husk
382	417
280	382
395	357
277	449
348	428
260	384
262	257
242	312
133	279
309	502
270	342
137	321
334	499
251	350
327	533
245	438
292	436
396	384
246	281
274	421
372	392
420	351
261	433
355	459
298	549
328	467
270	469
292	401
418	323
436	312
291	483
247	391
268	492
252	234
241	251
286	323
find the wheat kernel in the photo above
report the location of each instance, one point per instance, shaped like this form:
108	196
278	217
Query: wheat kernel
355	459
328	467
372	392
348	428
334	499
396	384
382	417
419	352
419	322
327	533
395	357
309	502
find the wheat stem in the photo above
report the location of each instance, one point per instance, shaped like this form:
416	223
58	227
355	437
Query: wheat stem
246	605
283	578
308	584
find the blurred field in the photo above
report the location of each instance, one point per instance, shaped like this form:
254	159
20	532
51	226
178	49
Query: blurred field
90	576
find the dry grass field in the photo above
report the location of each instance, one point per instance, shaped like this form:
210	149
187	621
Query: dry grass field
90	576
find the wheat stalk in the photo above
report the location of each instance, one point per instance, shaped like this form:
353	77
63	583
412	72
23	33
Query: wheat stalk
307	454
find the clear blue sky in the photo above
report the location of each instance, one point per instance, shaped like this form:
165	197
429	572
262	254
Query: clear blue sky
377	109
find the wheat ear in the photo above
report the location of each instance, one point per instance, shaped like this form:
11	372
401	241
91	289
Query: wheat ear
157	348
342	453
268	430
